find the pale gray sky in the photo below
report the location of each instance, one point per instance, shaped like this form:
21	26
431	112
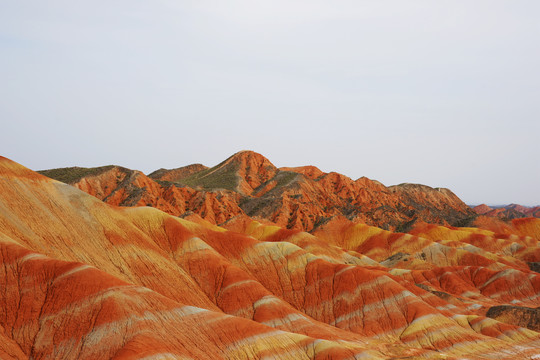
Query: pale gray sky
444	93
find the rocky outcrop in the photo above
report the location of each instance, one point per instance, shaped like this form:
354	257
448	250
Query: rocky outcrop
482	209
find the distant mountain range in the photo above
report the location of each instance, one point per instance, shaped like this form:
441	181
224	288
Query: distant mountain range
508	212
248	184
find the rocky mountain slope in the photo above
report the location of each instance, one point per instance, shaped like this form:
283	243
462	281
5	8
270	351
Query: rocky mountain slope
249	184
83	279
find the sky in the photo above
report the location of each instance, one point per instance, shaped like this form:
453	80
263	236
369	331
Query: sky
443	93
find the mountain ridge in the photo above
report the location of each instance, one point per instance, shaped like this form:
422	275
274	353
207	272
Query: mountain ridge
293	197
508	212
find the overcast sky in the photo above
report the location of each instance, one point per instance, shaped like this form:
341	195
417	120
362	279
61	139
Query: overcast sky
444	93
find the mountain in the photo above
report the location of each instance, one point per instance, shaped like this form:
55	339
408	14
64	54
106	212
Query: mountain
123	187
482	209
84	279
533	211
508	212
242	173
249	184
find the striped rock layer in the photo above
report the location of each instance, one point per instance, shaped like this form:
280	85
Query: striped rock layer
82	279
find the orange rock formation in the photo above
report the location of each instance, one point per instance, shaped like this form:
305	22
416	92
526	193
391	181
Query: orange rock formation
84	279
247	183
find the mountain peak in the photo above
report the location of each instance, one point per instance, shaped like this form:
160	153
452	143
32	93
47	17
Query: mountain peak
251	168
241	172
249	157
482	209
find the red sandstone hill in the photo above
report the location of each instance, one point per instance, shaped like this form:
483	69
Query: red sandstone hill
123	187
249	184
508	212
83	279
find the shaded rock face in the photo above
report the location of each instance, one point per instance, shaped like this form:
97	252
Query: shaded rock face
482	209
89	280
516	315
249	184
534	266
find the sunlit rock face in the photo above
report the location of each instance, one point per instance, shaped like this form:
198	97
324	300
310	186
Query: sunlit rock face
81	278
